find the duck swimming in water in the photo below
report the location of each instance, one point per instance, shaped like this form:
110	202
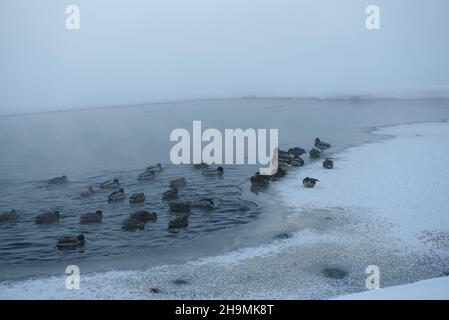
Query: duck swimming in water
47	217
117	196
88	193
213	172
8	216
201	165
328	164
259	181
180	222
132	224
309	182
322	145
178	183
92	217
137	198
58	180
205	203
296	152
154	168
71	242
144	215
179	207
315	153
172	193
110	184
147	175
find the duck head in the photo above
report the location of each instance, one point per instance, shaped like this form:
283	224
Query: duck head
80	237
220	169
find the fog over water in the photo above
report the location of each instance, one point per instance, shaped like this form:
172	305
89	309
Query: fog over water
129	52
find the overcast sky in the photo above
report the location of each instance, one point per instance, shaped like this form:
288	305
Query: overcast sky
130	51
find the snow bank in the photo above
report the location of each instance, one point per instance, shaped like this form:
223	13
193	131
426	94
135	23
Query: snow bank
403	180
433	289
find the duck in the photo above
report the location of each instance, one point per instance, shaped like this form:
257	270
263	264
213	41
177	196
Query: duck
328	164
180	222
172	193
154	168
137	198
47	217
179	207
296	151
8	216
117	196
280	173
91	217
284	164
144	215
58	180
314	153
297	161
213	171
147	175
201	165
110	184
71	242
309	182
132	224
284	155
322	145
259	181
205	203
178	183
88	193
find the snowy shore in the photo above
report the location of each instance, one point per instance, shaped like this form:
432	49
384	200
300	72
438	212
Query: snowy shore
401	181
384	203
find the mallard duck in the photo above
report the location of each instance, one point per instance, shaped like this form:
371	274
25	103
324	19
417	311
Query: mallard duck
137	198
315	153
179	207
284	155
110	184
322	145
201	165
309	182
296	151
91	217
147	175
144	215
8	216
328	164
280	173
259	181
154	168
172	193
58	180
213	171
178	183
47	217
205	203
88	193
132	224
297	162
180	222
117	196
71	242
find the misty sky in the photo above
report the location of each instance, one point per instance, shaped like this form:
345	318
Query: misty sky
130	51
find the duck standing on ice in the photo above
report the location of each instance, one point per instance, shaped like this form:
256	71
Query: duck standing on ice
309	182
322	145
328	164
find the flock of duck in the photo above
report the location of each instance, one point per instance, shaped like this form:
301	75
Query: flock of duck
137	220
292	158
